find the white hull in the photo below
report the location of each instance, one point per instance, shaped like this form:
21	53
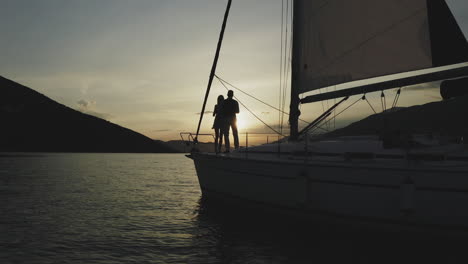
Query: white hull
427	194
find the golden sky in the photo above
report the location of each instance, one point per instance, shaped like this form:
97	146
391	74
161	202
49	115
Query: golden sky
144	64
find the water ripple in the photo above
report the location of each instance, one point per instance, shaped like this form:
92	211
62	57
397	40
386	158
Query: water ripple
146	208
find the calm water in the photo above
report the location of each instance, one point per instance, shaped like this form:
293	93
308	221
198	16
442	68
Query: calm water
146	208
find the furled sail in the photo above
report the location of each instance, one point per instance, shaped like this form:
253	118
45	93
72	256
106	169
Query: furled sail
339	41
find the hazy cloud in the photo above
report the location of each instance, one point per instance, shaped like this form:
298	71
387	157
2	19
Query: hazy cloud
85	104
87	107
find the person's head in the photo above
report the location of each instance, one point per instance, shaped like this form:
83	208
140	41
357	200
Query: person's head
220	99
230	93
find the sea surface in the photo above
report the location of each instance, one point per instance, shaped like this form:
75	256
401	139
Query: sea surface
147	208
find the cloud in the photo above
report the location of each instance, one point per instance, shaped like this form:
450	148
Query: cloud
104	116
85	104
87	107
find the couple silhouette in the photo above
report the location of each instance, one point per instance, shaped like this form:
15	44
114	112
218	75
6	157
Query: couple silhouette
225	119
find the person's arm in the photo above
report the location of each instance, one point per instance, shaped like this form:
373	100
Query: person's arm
215	111
237	107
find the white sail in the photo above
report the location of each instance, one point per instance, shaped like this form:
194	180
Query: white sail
338	41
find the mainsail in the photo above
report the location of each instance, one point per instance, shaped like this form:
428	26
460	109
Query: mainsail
339	41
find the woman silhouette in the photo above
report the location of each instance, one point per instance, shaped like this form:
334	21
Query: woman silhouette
218	123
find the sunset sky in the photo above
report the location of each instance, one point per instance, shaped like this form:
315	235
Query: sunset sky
144	64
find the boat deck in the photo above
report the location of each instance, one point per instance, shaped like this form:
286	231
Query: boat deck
356	151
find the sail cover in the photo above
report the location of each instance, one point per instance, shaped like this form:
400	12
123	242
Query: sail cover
338	41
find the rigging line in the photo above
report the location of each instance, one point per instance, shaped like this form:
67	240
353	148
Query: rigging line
285	54
281	64
251	96
253	113
319	127
328	101
339	113
328	106
364	98
397	96
383	101
280	97
323	106
288	55
285	62
322	117
288	71
334	112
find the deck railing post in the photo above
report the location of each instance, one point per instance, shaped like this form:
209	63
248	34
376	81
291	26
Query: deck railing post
246	143
279	147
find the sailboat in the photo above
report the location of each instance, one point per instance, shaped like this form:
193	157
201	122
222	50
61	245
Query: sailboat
367	178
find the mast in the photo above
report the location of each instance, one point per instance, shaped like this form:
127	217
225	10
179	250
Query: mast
213	68
294	105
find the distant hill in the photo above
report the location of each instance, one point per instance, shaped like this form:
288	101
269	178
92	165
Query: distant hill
31	121
182	146
448	117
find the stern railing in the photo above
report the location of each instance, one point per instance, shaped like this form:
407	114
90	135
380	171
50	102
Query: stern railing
246	140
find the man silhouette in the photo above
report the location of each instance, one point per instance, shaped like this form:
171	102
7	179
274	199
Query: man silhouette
230	109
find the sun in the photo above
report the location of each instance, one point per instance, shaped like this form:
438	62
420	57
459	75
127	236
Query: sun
242	122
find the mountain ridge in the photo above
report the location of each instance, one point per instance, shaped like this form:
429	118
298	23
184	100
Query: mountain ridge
445	118
32	122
